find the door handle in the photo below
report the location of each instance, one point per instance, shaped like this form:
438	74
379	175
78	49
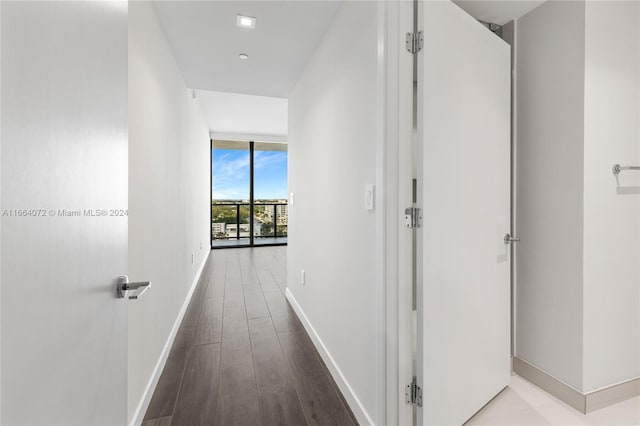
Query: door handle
508	239
123	286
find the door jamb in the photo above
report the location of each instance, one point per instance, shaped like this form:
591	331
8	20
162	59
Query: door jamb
398	190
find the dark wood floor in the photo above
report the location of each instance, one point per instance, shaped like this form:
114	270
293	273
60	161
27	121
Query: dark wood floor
241	356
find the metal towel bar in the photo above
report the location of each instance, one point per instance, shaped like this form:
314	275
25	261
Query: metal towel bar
617	168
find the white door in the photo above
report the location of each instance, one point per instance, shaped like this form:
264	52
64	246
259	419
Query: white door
64	152
463	266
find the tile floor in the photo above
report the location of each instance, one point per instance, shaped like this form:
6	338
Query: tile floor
525	404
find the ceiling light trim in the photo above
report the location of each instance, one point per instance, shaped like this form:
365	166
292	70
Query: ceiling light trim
246	22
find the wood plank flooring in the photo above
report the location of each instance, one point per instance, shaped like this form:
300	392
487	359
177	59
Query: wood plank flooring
241	356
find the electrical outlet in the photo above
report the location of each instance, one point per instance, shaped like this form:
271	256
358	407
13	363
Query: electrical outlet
302	277
193	258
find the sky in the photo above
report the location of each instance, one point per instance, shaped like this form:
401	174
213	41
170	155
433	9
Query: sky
230	175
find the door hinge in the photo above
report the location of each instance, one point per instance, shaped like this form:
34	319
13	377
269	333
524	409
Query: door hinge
413	393
414	42
412	217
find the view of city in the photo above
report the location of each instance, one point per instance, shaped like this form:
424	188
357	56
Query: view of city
231	223
230	219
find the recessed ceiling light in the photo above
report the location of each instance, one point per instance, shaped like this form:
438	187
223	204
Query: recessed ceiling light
243	56
245	21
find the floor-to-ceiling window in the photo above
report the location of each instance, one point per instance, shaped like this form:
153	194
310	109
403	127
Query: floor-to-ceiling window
248	193
270	207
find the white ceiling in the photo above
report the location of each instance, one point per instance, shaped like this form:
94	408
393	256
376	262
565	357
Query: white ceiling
231	113
206	42
498	11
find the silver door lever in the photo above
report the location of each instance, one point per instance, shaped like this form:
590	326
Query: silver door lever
138	289
508	239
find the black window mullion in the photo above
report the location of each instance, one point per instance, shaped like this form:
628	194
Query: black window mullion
251	200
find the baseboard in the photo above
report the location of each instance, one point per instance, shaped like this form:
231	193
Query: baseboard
349	395
564	392
157	371
612	394
585	403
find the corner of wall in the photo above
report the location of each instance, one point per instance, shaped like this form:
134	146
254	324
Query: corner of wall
332	157
611	208
359	411
602	112
169	198
549	179
1	204
138	414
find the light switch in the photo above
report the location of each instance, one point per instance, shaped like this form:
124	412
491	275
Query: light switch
369	197
292	199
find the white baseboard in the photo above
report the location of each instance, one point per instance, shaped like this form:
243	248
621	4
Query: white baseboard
157	371
349	395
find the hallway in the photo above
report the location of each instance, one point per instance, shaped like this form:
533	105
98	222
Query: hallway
241	356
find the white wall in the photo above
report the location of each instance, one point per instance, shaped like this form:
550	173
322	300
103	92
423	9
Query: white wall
234	113
0	215
578	113
332	155
550	136
611	208
168	193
